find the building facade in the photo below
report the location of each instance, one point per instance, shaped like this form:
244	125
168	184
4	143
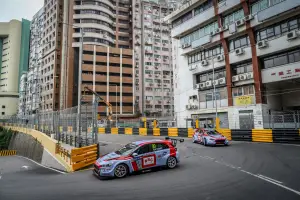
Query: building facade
14	53
239	59
48	85
104	29
29	85
153	58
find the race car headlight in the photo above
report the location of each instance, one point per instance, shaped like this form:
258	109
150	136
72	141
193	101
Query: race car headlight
107	165
212	139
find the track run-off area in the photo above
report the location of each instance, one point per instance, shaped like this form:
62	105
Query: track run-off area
240	171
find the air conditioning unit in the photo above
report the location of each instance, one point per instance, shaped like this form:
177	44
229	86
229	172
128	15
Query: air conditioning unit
220	58
188	107
243	77
212	33
291	35
239	51
249	75
215	82
187	45
218	30
198	86
194	107
202	85
226	27
204	63
235	78
208	83
248	17
239	22
262	44
222	81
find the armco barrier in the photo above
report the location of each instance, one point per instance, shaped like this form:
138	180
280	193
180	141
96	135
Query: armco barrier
128	131
108	130
190	132
156	132
164	131
143	131
262	135
226	132
135	131
8	152
182	132
114	131
121	131
101	130
173	132
149	131
84	156
286	136
241	135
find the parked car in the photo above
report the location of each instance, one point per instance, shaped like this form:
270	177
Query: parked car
209	137
138	156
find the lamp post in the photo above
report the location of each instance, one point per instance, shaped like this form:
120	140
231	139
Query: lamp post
215	96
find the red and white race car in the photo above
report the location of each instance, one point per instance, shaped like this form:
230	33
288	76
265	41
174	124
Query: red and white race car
209	137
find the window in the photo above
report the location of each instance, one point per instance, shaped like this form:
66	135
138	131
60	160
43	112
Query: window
239	42
149	98
278	29
233	17
3	113
243	90
159	146
209	76
158	98
3	106
243	68
202	55
282	59
206	5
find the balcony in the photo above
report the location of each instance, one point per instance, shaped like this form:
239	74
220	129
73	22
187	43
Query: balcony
241	54
92	16
93	7
149	51
281	73
193	22
277	44
226	5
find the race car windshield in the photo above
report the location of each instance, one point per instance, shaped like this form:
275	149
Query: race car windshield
126	150
213	133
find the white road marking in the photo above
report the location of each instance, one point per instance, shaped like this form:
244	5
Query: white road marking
42	165
25	167
269	178
273	182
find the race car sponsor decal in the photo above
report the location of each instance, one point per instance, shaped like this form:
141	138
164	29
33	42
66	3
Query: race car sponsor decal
148	161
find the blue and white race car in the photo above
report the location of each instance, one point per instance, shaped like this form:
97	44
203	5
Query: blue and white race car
209	137
138	156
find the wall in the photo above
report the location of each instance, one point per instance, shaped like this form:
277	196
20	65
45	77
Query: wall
10	103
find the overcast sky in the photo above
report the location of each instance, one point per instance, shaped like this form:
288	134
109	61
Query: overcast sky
18	9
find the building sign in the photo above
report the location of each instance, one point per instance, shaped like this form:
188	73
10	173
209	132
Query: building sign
243	100
280	73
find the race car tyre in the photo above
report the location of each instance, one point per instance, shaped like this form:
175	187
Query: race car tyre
204	142
121	171
171	162
194	141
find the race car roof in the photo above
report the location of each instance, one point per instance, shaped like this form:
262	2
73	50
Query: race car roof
147	141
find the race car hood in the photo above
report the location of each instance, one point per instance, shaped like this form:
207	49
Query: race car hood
217	136
112	156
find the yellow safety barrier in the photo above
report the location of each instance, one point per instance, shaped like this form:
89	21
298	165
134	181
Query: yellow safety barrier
156	131
226	132
8	152
85	156
128	131
190	132
114	131
142	131
173	132
101	130
262	135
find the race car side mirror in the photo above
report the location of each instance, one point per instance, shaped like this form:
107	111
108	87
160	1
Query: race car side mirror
134	154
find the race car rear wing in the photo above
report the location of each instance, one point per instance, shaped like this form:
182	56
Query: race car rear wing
174	140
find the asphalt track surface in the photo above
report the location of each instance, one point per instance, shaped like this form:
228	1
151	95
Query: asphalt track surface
239	171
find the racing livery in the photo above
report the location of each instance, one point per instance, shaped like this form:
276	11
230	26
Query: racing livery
209	137
138	156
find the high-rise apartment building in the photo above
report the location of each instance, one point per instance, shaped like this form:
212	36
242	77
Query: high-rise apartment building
104	28
14	51
248	50
51	55
153	58
30	81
